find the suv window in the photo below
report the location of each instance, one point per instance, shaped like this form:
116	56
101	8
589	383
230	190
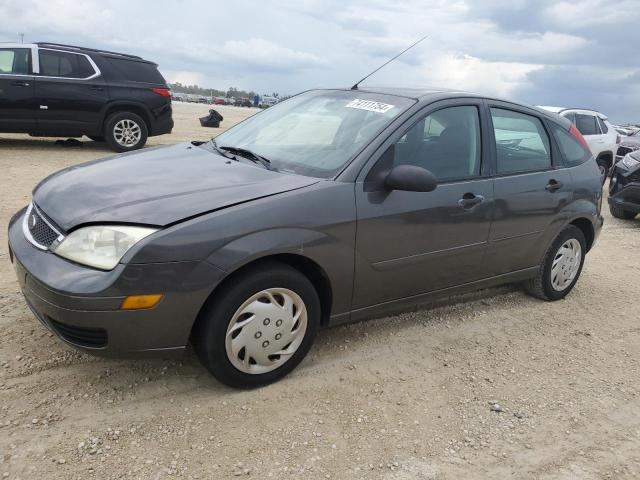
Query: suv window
587	124
136	71
15	61
64	64
572	151
603	126
522	144
446	142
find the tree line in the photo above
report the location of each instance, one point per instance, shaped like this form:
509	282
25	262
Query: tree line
198	90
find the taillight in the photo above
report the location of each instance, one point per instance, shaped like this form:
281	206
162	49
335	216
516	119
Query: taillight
163	92
578	136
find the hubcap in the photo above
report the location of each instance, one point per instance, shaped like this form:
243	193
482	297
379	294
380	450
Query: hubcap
127	133
566	264
266	330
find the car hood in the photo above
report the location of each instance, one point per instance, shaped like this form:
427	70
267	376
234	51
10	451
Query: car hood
630	141
157	186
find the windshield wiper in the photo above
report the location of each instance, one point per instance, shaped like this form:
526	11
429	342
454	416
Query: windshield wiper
248	154
222	152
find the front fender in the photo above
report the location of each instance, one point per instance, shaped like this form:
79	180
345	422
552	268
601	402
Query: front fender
333	256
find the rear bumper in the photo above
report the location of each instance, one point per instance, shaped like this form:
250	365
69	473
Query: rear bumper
82	305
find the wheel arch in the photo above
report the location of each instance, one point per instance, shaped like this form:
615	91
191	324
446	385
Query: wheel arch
585	225
308	267
138	109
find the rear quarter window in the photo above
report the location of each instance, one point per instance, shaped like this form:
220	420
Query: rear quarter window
135	71
572	151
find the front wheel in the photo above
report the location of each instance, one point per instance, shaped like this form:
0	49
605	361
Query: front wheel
259	326
561	266
125	131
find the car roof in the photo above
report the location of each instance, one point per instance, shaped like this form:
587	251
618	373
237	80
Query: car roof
560	110
414	93
86	50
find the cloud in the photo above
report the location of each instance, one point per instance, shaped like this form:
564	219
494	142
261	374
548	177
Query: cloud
530	49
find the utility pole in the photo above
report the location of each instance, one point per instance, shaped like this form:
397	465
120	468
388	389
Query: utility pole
21	35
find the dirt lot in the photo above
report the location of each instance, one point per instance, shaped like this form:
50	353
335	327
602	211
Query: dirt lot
408	397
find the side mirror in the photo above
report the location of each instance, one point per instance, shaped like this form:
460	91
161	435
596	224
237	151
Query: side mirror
411	178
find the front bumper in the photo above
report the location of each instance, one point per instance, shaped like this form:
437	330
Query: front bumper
82	305
624	187
627	197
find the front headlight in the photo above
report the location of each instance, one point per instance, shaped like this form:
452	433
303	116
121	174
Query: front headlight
100	246
630	162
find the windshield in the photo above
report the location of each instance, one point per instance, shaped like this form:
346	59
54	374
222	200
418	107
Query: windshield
315	133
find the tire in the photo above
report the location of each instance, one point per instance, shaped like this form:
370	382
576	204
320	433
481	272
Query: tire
131	133
96	139
603	166
216	340
618	212
542	285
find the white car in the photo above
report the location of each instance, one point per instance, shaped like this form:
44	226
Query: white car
602	137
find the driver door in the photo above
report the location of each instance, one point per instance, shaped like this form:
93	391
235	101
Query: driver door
410	243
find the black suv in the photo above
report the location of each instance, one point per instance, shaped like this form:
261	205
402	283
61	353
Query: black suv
54	90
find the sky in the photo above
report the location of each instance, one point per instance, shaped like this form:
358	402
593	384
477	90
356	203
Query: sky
577	53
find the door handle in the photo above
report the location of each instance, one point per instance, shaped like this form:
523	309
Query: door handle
553	186
96	89
470	200
20	83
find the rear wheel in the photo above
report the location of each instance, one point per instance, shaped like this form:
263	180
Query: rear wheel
561	266
125	131
619	212
259	326
603	166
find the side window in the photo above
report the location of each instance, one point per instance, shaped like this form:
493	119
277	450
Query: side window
603	126
64	64
446	142
522	144
15	61
572	151
570	116
587	124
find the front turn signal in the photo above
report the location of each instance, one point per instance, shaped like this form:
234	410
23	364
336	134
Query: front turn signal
139	302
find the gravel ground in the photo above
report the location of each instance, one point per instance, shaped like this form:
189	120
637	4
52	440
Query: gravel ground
490	385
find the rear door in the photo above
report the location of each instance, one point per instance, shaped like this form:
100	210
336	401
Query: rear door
70	93
410	243
531	187
17	108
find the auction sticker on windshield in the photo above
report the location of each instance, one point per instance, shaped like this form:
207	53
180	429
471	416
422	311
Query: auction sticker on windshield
369	105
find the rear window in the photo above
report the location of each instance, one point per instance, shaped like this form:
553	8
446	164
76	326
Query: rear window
572	151
522	143
64	64
135	71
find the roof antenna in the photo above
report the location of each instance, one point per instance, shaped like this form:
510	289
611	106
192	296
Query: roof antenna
355	86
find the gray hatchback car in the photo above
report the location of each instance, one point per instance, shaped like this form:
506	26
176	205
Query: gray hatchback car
331	207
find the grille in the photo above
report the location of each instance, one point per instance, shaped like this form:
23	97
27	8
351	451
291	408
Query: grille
622	151
81	336
40	230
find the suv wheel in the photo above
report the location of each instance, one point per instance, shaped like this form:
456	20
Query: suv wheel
259	327
603	166
561	267
618	212
125	131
